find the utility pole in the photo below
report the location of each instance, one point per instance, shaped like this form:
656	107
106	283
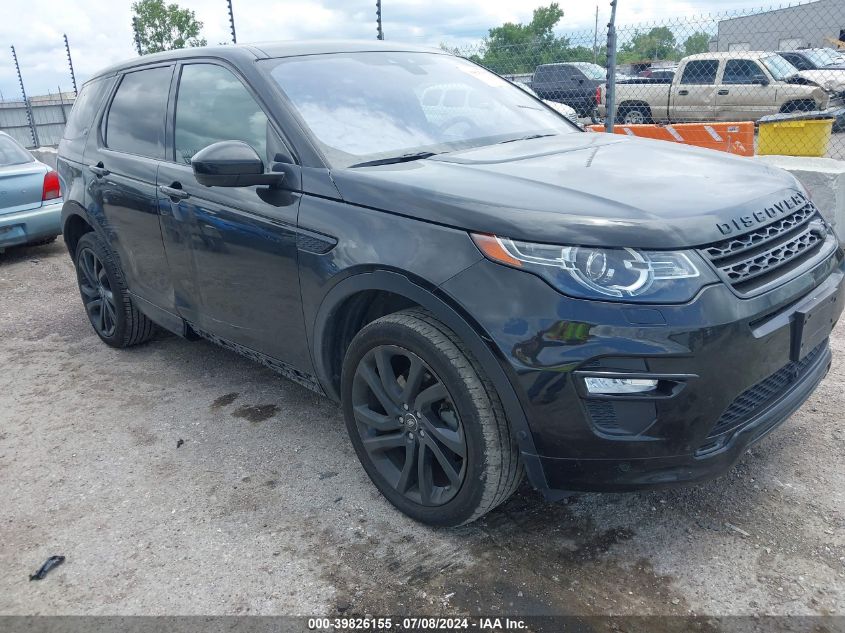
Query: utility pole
378	20
596	39
137	35
232	23
27	107
610	93
70	63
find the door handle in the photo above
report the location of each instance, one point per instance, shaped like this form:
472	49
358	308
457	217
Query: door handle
724	92
683	93
174	192
99	170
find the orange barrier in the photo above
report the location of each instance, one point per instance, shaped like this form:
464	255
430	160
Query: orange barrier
734	138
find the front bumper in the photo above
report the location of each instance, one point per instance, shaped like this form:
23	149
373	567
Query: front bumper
23	227
730	368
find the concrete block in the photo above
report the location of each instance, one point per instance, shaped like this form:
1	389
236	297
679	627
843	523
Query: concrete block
824	179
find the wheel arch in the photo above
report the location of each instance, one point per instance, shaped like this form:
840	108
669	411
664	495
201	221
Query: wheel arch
331	317
75	224
634	104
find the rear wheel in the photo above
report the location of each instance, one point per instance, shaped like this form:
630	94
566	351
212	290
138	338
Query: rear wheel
425	422
110	310
634	115
42	241
802	105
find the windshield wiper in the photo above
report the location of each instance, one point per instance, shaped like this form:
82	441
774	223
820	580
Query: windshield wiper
524	138
391	160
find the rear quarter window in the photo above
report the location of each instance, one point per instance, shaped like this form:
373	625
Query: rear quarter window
84	109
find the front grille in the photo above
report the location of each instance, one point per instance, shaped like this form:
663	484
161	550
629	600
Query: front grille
749	261
757	398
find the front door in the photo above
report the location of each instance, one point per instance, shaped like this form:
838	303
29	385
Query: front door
232	249
693	98
122	181
746	92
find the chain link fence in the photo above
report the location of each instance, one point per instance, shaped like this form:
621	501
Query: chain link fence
38	121
763	81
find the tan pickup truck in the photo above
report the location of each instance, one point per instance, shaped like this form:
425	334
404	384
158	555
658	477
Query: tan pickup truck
735	86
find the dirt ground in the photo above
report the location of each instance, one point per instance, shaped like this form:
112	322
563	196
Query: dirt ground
264	509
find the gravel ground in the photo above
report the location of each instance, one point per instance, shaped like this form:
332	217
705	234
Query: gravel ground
264	509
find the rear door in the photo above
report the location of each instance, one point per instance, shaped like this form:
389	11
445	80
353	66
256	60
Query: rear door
123	165
746	92
233	250
693	97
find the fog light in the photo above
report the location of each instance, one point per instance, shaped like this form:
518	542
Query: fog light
619	385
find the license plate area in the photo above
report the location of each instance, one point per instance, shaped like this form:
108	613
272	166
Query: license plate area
813	321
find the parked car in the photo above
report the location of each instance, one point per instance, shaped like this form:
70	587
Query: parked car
814	59
572	83
561	108
819	66
735	86
30	197
600	312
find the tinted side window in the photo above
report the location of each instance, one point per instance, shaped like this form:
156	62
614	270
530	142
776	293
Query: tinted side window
799	62
741	71
213	105
136	118
700	71
84	109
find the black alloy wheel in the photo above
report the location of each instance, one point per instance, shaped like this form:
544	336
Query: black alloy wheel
409	425
97	294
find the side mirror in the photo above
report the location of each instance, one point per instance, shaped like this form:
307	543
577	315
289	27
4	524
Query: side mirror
760	80
231	164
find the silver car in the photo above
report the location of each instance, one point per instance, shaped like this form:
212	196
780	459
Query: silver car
30	197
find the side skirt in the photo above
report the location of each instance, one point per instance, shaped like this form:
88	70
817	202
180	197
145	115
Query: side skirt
288	371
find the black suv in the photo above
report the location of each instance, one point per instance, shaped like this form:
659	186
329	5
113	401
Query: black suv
484	287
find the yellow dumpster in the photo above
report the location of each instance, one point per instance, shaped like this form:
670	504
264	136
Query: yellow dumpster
800	134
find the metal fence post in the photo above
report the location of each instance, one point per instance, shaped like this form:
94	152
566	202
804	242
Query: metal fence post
610	117
137	35
70	63
379	30
232	23
27	105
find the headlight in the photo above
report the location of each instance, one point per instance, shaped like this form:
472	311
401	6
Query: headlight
622	274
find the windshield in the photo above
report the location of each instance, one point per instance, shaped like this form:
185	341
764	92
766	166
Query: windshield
593	71
817	58
369	106
826	57
779	68
13	154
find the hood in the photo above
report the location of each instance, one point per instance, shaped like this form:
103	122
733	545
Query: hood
828	78
581	188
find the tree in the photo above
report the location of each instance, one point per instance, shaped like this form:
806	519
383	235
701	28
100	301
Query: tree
519	48
697	43
165	27
658	43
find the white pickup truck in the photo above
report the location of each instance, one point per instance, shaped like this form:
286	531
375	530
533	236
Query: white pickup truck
735	86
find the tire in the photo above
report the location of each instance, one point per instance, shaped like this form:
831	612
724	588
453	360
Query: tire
102	287
803	105
43	241
469	418
633	115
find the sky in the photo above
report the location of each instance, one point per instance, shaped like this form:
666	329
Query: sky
100	31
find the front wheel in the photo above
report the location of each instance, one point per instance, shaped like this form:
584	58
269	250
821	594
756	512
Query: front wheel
425	422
